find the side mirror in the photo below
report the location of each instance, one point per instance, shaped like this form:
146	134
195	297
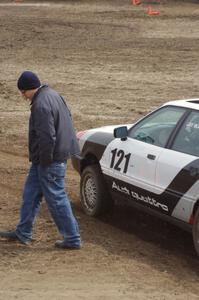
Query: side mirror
121	133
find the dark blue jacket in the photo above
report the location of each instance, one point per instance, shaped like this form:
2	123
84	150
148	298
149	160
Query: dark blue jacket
51	133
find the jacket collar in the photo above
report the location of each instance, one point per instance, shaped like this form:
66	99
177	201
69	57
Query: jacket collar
38	92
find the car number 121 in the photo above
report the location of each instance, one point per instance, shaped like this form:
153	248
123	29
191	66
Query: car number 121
118	156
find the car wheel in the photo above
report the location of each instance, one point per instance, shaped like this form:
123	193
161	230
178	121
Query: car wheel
196	231
95	198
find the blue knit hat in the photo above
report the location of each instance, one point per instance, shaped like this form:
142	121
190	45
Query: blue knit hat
28	81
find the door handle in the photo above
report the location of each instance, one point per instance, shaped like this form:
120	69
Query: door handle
151	156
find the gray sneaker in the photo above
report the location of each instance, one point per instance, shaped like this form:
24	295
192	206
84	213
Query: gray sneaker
11	235
63	245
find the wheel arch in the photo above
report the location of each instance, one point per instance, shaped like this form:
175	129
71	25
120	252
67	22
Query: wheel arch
196	205
89	159
195	227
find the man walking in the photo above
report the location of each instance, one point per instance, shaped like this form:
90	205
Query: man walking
52	141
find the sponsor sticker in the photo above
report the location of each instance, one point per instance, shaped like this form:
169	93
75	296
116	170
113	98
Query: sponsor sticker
146	199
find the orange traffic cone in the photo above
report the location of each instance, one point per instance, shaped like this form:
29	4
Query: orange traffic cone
150	11
136	2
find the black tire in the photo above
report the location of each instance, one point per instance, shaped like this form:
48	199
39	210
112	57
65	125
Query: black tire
95	199
195	231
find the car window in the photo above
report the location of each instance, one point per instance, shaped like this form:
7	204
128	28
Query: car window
156	128
187	139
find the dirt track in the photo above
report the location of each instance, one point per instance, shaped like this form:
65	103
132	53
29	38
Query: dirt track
114	63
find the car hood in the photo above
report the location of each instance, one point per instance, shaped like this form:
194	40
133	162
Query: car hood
107	129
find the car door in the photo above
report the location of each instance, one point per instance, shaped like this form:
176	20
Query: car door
177	172
132	163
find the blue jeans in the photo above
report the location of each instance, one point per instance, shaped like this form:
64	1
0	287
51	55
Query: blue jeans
47	182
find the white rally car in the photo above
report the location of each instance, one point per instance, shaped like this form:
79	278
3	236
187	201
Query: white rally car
154	164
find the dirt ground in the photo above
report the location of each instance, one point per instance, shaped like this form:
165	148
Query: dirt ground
114	63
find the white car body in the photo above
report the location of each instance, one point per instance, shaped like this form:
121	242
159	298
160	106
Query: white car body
154	176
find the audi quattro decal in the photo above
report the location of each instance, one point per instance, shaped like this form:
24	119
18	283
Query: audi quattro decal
167	200
139	197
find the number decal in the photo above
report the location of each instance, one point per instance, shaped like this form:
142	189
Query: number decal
113	157
117	157
120	154
127	157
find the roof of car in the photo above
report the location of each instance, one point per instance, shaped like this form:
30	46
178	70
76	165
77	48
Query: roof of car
189	103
